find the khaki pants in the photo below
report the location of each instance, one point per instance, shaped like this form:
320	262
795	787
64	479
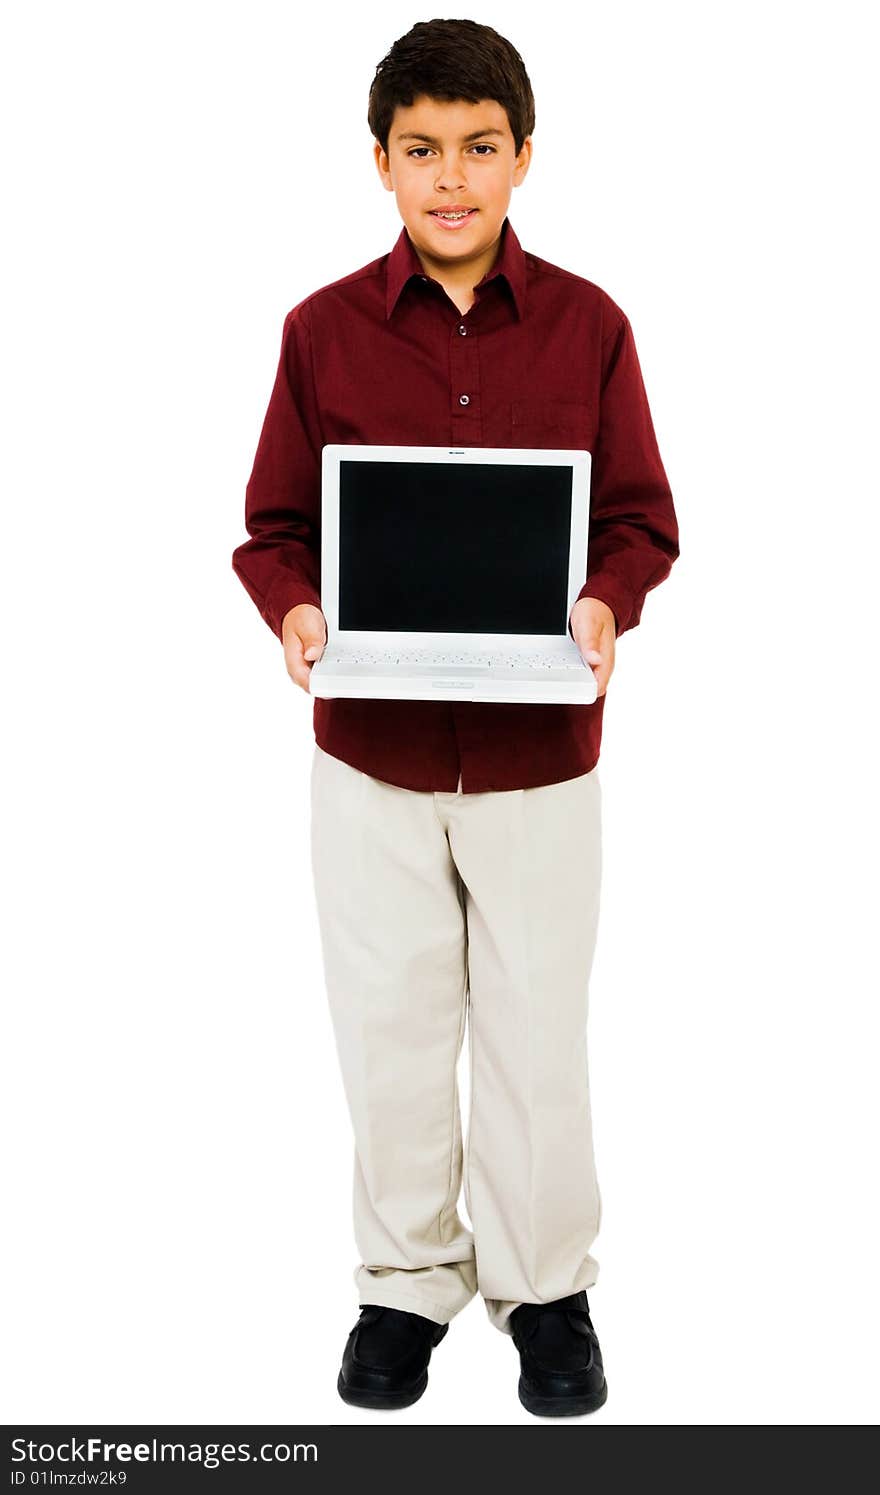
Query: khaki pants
437	909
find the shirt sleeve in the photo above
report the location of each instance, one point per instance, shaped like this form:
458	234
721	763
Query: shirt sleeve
633	531
280	565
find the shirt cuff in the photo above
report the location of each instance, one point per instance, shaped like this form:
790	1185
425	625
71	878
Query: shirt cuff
606	588
282	596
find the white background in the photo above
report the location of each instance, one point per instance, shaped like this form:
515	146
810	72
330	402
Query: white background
179	1244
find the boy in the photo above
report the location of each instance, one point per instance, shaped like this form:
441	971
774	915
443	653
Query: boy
456	846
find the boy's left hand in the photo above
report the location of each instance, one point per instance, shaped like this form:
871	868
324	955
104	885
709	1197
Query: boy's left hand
594	631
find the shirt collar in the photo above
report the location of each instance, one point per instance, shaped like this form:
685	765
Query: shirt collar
403	263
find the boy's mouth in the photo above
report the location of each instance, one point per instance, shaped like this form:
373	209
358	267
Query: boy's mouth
453	218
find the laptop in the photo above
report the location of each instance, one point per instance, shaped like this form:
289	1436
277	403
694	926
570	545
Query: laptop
449	573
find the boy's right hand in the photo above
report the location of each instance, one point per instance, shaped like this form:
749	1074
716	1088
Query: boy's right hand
303	634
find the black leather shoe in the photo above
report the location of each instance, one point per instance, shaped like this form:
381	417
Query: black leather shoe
385	1363
560	1358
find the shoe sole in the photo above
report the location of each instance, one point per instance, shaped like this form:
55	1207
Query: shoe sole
378	1400
562	1406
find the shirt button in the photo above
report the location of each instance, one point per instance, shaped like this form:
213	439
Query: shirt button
464	399
463	330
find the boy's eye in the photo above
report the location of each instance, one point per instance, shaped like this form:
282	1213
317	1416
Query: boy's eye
481	145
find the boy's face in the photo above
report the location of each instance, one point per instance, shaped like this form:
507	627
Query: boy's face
431	163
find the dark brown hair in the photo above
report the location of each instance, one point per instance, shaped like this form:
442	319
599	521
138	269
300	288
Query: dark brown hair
451	60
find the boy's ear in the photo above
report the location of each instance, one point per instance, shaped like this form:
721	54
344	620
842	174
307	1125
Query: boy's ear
382	165
523	161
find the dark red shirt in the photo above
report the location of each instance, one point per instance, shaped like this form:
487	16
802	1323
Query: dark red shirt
384	356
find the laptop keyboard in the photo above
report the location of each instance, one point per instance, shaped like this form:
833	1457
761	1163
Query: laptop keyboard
425	657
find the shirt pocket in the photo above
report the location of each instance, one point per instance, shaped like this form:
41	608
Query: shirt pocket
548	423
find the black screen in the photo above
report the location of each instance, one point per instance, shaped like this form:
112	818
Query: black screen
436	548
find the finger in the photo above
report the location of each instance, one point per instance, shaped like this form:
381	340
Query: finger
603	674
297	669
600	663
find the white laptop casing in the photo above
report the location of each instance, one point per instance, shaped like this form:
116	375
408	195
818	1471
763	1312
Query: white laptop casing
338	674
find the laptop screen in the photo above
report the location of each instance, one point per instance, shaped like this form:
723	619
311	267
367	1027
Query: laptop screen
435	548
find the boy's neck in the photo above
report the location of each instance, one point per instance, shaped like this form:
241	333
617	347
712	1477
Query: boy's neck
458	281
